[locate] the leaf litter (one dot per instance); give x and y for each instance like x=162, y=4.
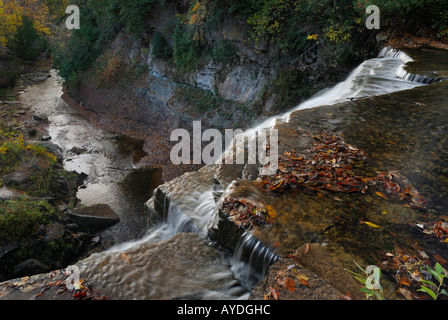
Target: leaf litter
x=329, y=167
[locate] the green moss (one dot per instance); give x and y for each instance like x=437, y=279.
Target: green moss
x=21, y=218
x=201, y=100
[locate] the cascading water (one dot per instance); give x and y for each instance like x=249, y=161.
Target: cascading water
x=251, y=259
x=381, y=75
x=175, y=258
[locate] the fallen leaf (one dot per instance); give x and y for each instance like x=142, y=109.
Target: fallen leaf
x=271, y=212
x=406, y=293
x=370, y=224
x=125, y=258
x=423, y=255
x=439, y=259
x=78, y=284
x=404, y=281
x=290, y=285
x=273, y=293
x=302, y=277
x=381, y=195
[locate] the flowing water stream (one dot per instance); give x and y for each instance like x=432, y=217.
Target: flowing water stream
x=174, y=258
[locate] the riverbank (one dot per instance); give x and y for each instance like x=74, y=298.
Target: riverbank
x=36, y=191
x=41, y=226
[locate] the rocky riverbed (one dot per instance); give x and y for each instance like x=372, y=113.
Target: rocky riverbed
x=72, y=230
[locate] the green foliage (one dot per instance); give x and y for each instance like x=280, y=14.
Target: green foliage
x=234, y=7
x=370, y=278
x=12, y=75
x=27, y=42
x=439, y=275
x=19, y=219
x=201, y=100
x=187, y=52
x=100, y=21
x=160, y=47
x=223, y=51
x=290, y=87
x=132, y=13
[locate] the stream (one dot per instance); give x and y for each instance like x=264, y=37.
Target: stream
x=174, y=259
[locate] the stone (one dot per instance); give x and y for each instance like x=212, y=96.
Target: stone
x=312, y=287
x=51, y=147
x=30, y=266
x=94, y=216
x=7, y=194
x=326, y=278
x=32, y=132
x=40, y=118
x=54, y=231
x=46, y=137
x=77, y=150
x=41, y=78
x=8, y=248
x=15, y=179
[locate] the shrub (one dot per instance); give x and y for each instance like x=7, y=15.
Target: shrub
x=187, y=51
x=19, y=219
x=27, y=41
x=160, y=47
x=223, y=51
x=12, y=76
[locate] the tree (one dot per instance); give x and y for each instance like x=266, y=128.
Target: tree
x=27, y=40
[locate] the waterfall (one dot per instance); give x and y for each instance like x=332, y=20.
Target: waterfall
x=381, y=75
x=377, y=76
x=390, y=53
x=188, y=205
x=251, y=260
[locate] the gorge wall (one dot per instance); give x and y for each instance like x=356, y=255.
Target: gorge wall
x=255, y=81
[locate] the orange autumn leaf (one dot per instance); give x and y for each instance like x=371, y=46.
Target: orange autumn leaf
x=290, y=285
x=125, y=258
x=303, y=279
x=404, y=281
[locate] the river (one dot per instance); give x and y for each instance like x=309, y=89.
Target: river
x=174, y=258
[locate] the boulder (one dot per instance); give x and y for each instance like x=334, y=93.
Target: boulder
x=30, y=266
x=7, y=194
x=54, y=231
x=311, y=273
x=15, y=179
x=8, y=248
x=94, y=216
